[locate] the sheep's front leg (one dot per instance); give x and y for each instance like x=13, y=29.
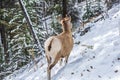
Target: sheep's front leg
x=61, y=61
x=66, y=59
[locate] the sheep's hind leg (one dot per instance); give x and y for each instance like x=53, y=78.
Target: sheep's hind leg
x=48, y=70
x=48, y=74
x=48, y=59
x=53, y=64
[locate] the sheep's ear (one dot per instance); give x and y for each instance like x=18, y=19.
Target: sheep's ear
x=59, y=18
x=68, y=17
x=61, y=22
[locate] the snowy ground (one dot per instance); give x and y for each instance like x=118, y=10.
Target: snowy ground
x=97, y=57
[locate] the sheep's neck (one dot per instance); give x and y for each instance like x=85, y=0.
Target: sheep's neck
x=66, y=28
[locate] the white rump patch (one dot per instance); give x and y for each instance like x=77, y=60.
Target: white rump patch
x=55, y=47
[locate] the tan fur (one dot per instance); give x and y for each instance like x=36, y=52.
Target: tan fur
x=60, y=45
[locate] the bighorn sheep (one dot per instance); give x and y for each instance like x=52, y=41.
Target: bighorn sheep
x=60, y=46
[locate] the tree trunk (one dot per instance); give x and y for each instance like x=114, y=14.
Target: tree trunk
x=64, y=5
x=45, y=23
x=4, y=42
x=3, y=36
x=36, y=40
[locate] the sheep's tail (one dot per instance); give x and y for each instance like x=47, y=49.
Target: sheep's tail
x=50, y=45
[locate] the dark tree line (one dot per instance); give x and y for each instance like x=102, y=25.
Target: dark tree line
x=5, y=4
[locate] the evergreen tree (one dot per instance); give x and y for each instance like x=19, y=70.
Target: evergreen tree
x=18, y=37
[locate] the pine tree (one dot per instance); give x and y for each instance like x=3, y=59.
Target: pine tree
x=18, y=37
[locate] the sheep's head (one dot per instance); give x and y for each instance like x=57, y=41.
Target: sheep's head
x=66, y=23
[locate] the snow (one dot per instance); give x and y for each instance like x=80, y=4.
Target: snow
x=97, y=57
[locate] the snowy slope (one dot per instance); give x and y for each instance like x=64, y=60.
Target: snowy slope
x=97, y=57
